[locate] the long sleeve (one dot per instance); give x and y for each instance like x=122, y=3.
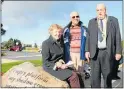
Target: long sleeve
x=118, y=39
x=87, y=39
x=46, y=55
x=66, y=35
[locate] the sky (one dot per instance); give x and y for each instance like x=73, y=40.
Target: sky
x=29, y=21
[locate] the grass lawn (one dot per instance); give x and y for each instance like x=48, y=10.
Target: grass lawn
x=6, y=66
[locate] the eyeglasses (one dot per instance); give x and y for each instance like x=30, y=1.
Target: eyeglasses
x=75, y=17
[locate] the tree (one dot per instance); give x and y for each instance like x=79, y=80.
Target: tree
x=3, y=31
x=35, y=45
x=9, y=43
x=18, y=42
x=3, y=45
x=13, y=42
x=27, y=45
x=2, y=1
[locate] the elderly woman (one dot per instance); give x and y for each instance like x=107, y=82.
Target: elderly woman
x=53, y=58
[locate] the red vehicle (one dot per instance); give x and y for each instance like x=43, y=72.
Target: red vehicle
x=15, y=48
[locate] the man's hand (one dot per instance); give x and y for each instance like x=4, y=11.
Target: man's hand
x=64, y=66
x=118, y=57
x=87, y=55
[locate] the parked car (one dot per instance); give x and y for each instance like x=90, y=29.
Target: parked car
x=15, y=48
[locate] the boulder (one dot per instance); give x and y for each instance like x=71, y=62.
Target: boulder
x=27, y=75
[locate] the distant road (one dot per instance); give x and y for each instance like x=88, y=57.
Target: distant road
x=22, y=55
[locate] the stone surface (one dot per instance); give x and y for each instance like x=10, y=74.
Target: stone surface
x=27, y=75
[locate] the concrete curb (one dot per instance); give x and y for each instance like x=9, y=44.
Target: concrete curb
x=8, y=61
x=36, y=51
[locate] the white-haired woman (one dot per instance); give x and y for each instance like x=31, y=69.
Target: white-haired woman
x=53, y=57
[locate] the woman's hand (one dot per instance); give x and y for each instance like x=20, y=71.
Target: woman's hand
x=58, y=64
x=64, y=66
x=61, y=60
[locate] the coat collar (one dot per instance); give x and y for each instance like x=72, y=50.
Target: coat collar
x=108, y=17
x=109, y=23
x=70, y=24
x=52, y=40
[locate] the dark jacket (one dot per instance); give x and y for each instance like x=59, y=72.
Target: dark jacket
x=51, y=53
x=66, y=37
x=113, y=38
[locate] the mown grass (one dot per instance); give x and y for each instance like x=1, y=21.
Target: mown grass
x=6, y=66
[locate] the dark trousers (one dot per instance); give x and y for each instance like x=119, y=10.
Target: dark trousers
x=115, y=67
x=73, y=80
x=100, y=64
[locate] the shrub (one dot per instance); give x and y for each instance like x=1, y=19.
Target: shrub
x=3, y=54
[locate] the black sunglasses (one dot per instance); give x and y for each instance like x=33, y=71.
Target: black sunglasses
x=75, y=17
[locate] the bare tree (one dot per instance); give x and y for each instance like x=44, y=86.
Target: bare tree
x=2, y=1
x=3, y=31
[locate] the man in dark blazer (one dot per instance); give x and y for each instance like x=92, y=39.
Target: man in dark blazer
x=103, y=45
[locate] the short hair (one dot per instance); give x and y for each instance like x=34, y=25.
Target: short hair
x=55, y=26
x=73, y=13
x=102, y=4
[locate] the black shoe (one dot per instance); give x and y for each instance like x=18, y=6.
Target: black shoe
x=115, y=78
x=119, y=71
x=87, y=75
